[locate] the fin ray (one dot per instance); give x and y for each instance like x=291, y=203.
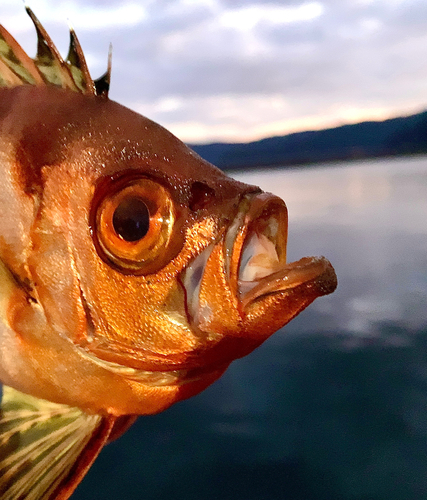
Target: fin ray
x=45, y=448
x=14, y=57
x=78, y=67
x=8, y=77
x=48, y=67
x=48, y=60
x=102, y=84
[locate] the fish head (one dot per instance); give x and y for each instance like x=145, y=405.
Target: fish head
x=154, y=264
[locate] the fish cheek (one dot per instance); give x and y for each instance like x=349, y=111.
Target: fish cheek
x=134, y=313
x=130, y=312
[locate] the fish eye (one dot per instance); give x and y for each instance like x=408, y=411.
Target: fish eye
x=132, y=222
x=131, y=219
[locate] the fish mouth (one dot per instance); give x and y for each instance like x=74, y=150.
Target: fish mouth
x=255, y=245
x=255, y=267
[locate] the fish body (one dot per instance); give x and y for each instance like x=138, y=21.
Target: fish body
x=133, y=272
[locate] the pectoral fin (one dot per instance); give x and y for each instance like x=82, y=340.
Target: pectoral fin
x=45, y=448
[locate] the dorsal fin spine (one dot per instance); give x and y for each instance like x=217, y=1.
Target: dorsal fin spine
x=78, y=67
x=102, y=84
x=48, y=59
x=15, y=58
x=48, y=67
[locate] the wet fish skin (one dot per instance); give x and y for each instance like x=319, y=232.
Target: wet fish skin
x=108, y=319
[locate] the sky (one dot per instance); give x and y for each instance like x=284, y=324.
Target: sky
x=241, y=70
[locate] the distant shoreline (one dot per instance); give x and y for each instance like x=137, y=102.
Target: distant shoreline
x=329, y=163
x=395, y=137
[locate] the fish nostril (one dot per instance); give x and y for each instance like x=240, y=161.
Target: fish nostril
x=201, y=195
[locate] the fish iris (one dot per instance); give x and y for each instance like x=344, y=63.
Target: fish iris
x=131, y=219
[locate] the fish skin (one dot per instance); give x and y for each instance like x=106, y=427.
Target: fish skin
x=74, y=320
x=54, y=162
x=105, y=325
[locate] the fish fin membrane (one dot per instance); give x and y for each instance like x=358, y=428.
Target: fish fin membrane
x=46, y=448
x=48, y=67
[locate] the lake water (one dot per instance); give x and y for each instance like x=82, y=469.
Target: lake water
x=334, y=407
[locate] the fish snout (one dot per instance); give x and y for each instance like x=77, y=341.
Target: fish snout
x=241, y=286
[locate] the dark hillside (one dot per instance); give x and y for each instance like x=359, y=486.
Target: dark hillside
x=396, y=136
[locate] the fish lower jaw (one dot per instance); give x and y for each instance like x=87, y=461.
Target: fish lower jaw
x=262, y=269
x=286, y=279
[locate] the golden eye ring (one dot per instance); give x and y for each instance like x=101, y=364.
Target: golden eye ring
x=133, y=224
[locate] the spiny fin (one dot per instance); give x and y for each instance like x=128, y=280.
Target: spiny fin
x=78, y=67
x=102, y=84
x=46, y=448
x=48, y=67
x=48, y=60
x=17, y=61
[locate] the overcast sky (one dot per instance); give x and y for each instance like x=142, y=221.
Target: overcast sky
x=238, y=70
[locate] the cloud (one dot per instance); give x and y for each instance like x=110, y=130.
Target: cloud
x=248, y=17
x=234, y=69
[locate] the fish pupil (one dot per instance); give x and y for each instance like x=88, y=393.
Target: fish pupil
x=131, y=219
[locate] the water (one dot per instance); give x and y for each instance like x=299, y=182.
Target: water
x=335, y=406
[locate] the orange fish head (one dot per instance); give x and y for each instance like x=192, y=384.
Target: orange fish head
x=154, y=269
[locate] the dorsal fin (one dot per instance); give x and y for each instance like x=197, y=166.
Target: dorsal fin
x=48, y=60
x=48, y=67
x=16, y=60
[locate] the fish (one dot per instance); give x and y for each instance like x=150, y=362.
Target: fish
x=132, y=271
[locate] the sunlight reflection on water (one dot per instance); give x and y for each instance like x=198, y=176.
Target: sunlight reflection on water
x=344, y=192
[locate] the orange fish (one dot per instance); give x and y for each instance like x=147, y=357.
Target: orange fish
x=132, y=272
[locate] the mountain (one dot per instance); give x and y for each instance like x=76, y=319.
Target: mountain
x=396, y=136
